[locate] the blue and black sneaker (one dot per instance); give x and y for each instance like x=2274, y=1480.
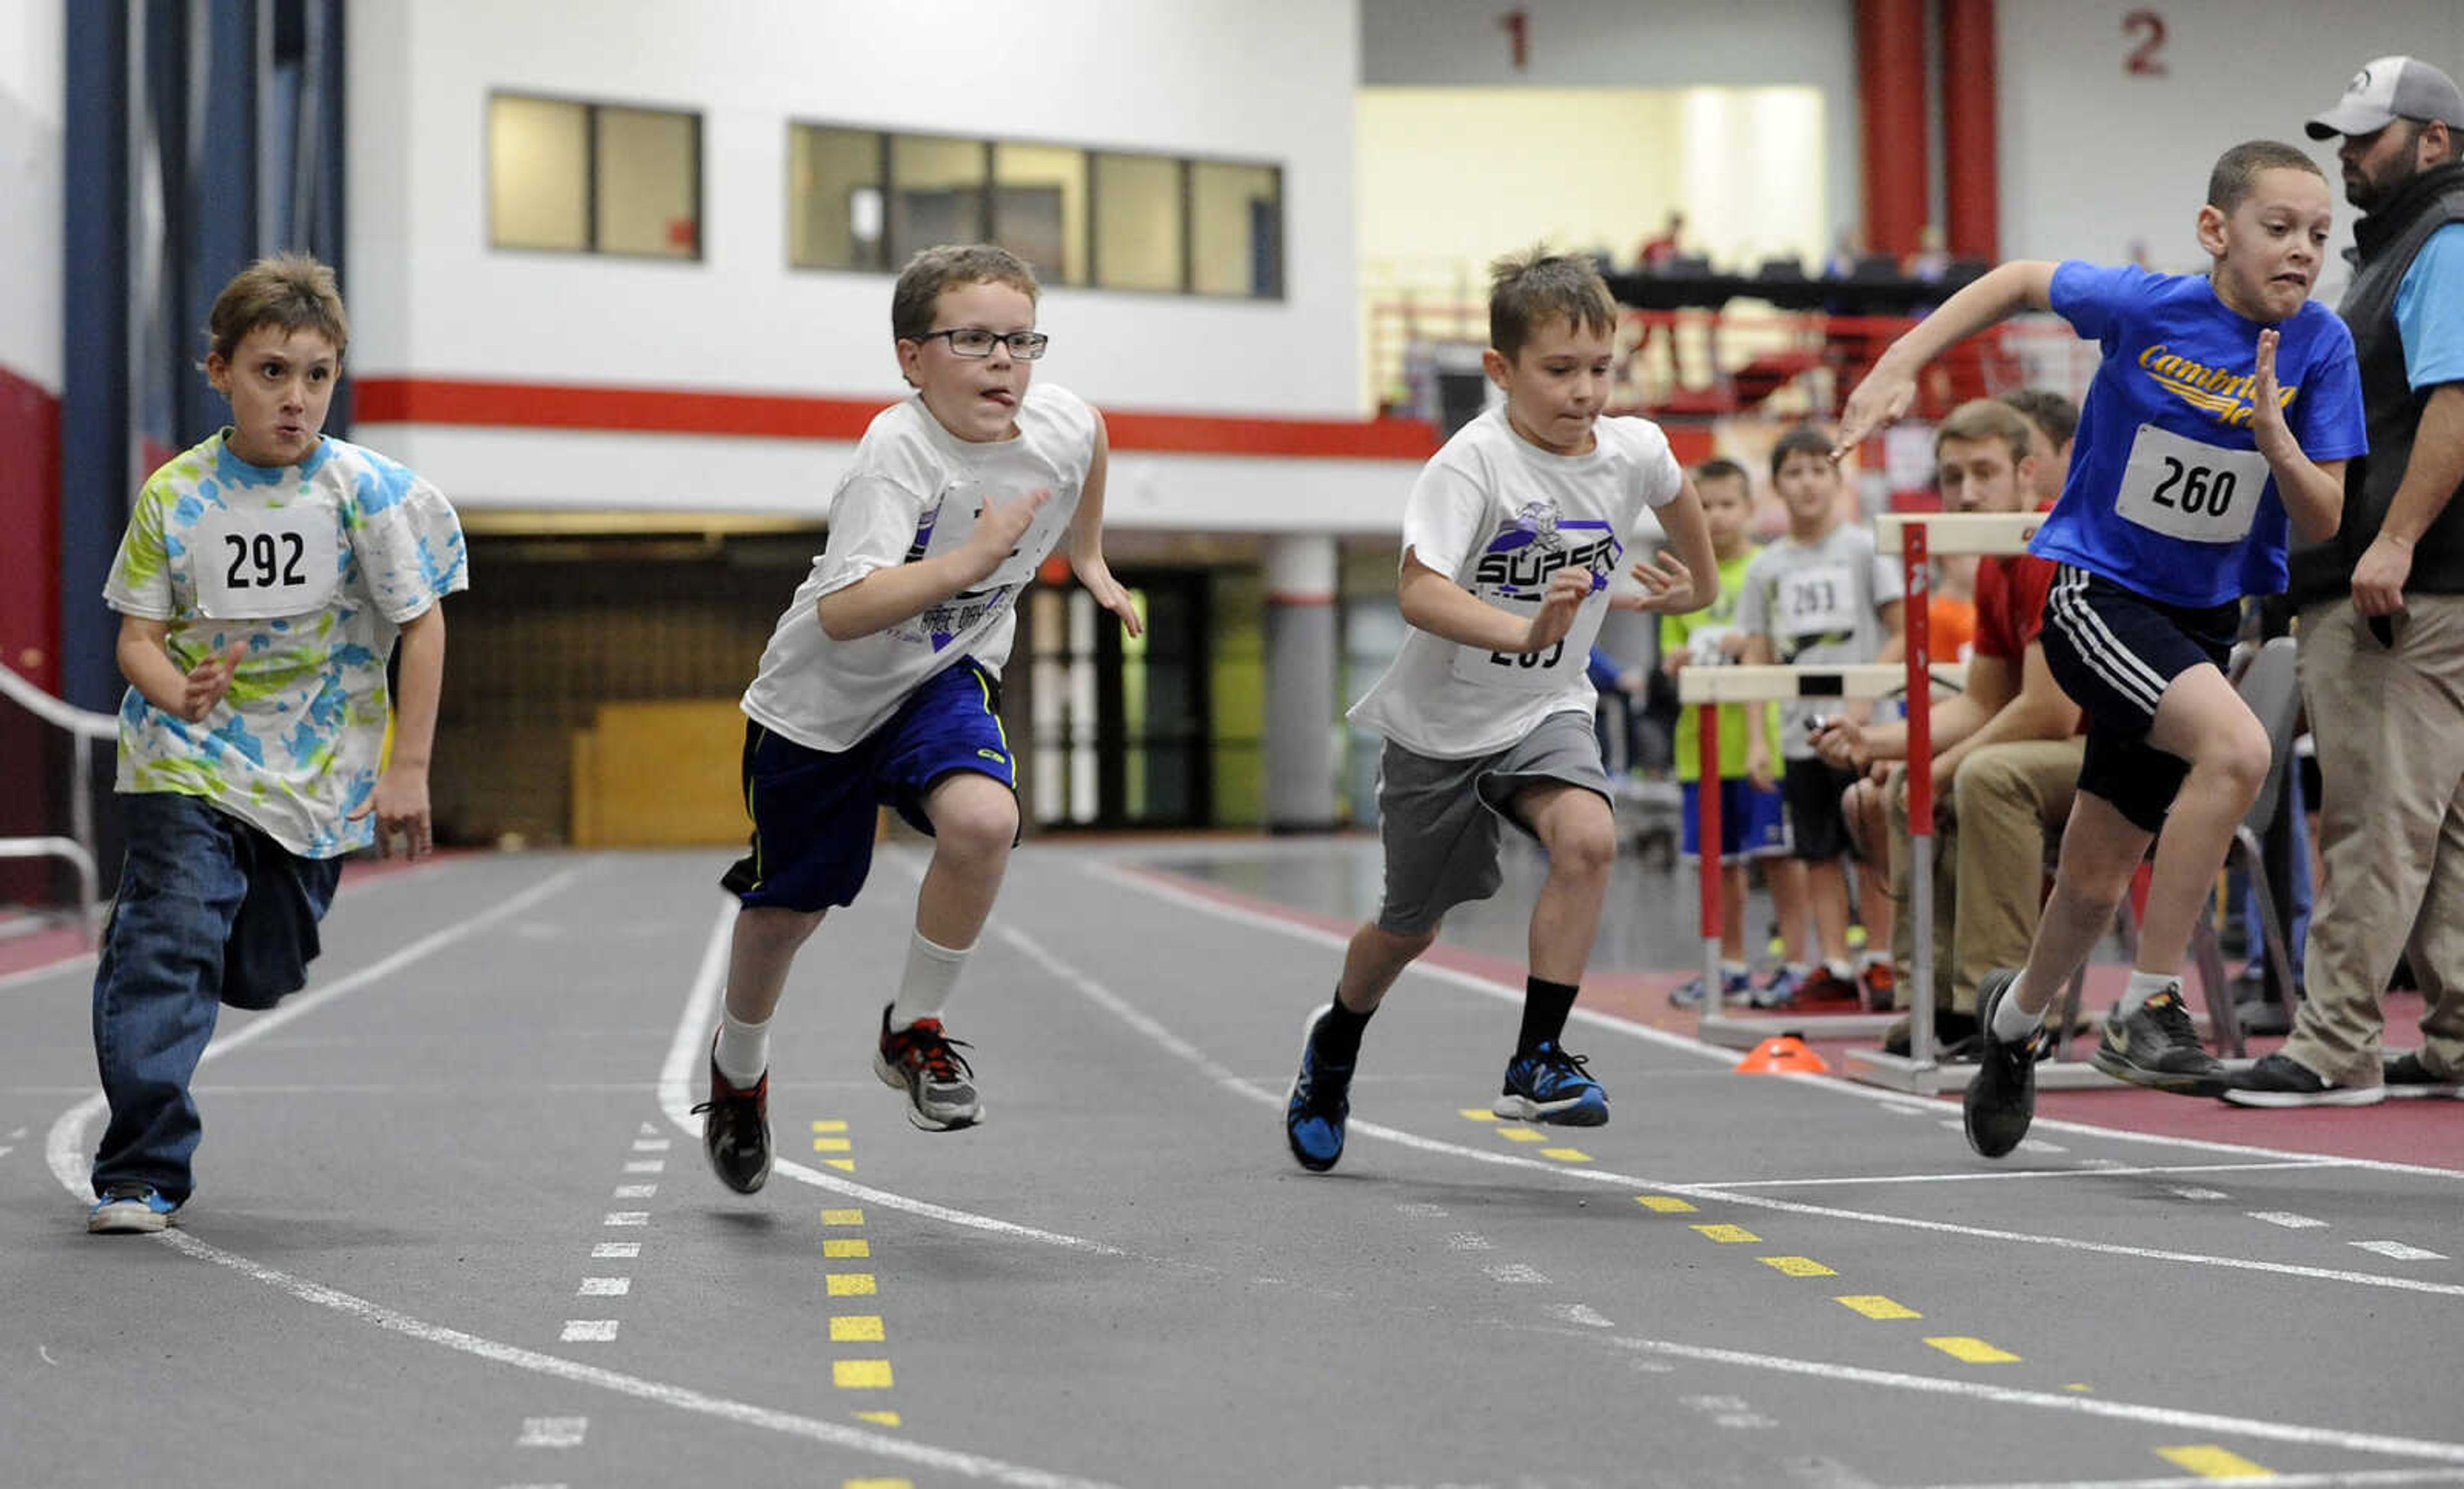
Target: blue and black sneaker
x=1546, y=1084
x=1320, y=1099
x=129, y=1210
x=1736, y=986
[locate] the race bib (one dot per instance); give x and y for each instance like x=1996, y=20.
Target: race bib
x=2183, y=488
x=1818, y=601
x=963, y=501
x=1544, y=670
x=256, y=565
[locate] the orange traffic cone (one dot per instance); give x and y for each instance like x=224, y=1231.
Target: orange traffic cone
x=1783, y=1055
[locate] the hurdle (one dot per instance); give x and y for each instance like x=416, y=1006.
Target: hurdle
x=1713, y=686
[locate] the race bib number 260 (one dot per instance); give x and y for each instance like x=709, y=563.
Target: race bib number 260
x=2184, y=488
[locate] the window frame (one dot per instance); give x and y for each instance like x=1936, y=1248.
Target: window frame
x=590, y=169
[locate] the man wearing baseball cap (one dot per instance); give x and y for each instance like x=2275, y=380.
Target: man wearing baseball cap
x=2382, y=618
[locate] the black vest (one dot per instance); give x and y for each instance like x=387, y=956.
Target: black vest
x=2385, y=242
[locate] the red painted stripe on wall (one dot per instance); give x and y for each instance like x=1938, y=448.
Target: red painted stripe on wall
x=29, y=514
x=537, y=406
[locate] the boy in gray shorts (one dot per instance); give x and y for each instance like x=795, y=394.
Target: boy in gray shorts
x=1509, y=539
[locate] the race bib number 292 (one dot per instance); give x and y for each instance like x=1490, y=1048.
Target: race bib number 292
x=259, y=565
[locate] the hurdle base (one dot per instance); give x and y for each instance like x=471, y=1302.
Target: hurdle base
x=1745, y=1031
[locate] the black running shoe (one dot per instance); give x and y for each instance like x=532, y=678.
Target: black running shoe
x=2002, y=1100
x=736, y=1131
x=1317, y=1103
x=2155, y=1046
x=2280, y=1081
x=2407, y=1078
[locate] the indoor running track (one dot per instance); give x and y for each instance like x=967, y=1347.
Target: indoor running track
x=454, y=1229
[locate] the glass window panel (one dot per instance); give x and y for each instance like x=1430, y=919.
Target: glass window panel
x=649, y=183
x=539, y=174
x=835, y=214
x=1040, y=209
x=1137, y=222
x=937, y=193
x=1236, y=228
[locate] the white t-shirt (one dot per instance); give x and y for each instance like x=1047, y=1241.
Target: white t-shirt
x=914, y=492
x=1499, y=514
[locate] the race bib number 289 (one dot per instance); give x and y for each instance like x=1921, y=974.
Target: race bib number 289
x=2184, y=488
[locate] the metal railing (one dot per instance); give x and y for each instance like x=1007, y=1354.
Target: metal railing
x=78, y=850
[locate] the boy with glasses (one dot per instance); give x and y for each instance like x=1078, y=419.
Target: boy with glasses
x=881, y=686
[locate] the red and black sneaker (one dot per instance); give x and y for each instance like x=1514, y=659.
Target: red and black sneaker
x=736, y=1131
x=925, y=1063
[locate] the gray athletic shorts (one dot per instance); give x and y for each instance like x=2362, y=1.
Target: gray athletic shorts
x=1438, y=818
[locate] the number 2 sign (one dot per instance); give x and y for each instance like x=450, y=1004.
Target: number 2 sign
x=2149, y=28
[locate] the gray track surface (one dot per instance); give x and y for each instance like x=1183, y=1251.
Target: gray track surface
x=1122, y=1278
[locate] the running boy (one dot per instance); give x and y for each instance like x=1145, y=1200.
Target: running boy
x=263, y=579
x=1750, y=823
x=2225, y=402
x=1819, y=596
x=1509, y=539
x=881, y=685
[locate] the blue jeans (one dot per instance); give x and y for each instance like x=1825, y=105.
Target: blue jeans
x=210, y=911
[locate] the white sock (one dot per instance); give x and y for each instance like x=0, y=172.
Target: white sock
x=931, y=970
x=2012, y=1023
x=1842, y=971
x=742, y=1052
x=2144, y=985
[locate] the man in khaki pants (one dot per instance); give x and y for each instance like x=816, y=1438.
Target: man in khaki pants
x=2382, y=619
x=2007, y=750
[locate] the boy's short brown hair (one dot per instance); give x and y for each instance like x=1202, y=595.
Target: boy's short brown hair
x=293, y=291
x=1719, y=467
x=1805, y=439
x=1526, y=289
x=2049, y=411
x=943, y=267
x=1981, y=418
x=2237, y=169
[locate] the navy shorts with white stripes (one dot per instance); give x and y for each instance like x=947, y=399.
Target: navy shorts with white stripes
x=2115, y=651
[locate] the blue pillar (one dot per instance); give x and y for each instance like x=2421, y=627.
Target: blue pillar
x=94, y=413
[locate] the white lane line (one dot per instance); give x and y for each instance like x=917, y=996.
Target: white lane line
x=2401, y=1251
x=675, y=1098
x=2266, y=1429
x=553, y=1432
x=636, y=1191
x=2351, y=1479
x=1515, y=1274
x=615, y=1251
x=1120, y=1008
x=2098, y=1172
x=2193, y=1191
x=604, y=1287
x=2289, y=1220
x=622, y=1217
x=1580, y=1314
x=63, y=1148
x=588, y=1331
x=64, y=1151
x=647, y=1166
x=1160, y=884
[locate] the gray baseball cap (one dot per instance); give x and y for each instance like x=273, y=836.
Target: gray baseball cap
x=2387, y=90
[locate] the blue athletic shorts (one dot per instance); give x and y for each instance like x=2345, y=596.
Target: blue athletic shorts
x=814, y=811
x=2115, y=651
x=1752, y=823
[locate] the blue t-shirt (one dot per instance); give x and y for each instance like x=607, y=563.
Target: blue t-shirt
x=2429, y=310
x=2167, y=494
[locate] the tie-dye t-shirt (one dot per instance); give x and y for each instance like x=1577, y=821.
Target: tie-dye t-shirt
x=912, y=493
x=314, y=567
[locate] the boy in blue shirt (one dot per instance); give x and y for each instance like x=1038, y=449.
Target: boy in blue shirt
x=2225, y=405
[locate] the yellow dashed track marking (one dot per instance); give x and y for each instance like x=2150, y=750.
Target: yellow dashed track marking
x=1799, y=1266
x=860, y=1375
x=1971, y=1350
x=2209, y=1462
x=846, y=1248
x=1565, y=1154
x=878, y=1484
x=849, y=1284
x=856, y=1328
x=842, y=1217
x=843, y=1165
x=880, y=1419
x=1665, y=1204
x=832, y=1126
x=1478, y=1114
x=1523, y=1134
x=1727, y=1233
x=1874, y=1305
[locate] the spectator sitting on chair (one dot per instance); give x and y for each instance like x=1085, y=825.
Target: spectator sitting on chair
x=2007, y=748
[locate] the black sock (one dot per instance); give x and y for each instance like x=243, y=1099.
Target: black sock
x=1337, y=1039
x=1545, y=1007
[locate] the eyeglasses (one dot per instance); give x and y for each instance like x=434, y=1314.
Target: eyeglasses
x=977, y=341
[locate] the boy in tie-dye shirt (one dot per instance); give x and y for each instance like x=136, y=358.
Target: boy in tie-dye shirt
x=264, y=578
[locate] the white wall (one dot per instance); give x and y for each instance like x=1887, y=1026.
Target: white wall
x=32, y=103
x=1621, y=44
x=1254, y=78
x=2094, y=157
